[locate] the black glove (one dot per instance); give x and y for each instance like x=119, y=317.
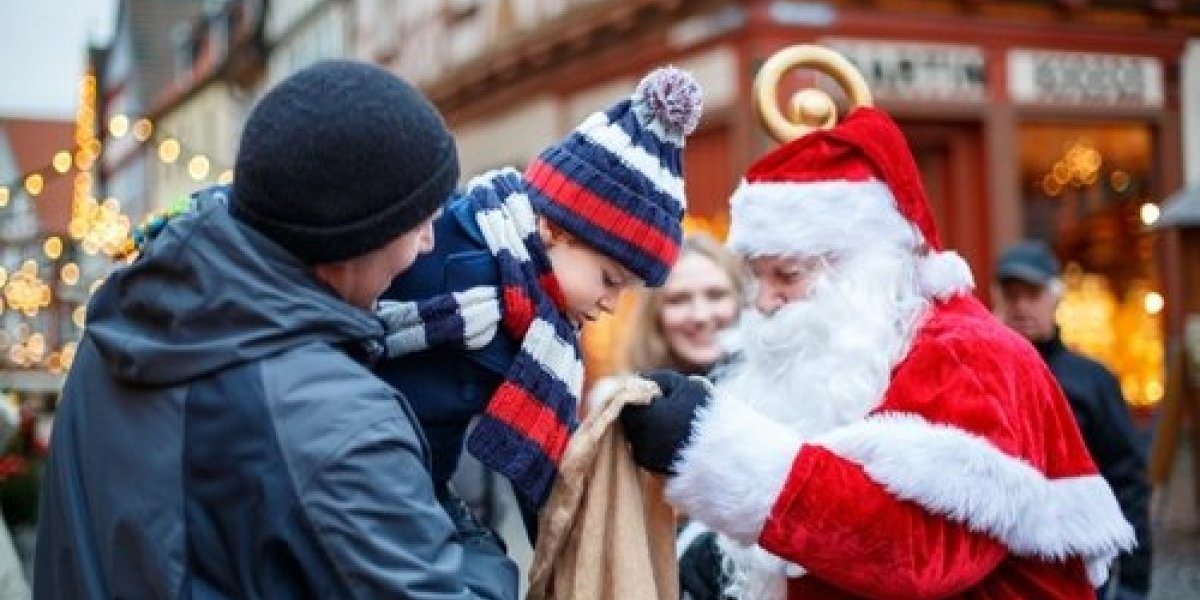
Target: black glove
x=658, y=431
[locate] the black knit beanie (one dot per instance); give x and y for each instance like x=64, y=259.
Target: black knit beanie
x=340, y=159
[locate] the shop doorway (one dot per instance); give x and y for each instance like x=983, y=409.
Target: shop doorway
x=1091, y=190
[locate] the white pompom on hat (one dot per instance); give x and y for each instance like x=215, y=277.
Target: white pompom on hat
x=616, y=181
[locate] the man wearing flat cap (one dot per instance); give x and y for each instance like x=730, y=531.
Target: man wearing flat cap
x=1029, y=288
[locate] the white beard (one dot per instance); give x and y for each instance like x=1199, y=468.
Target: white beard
x=819, y=364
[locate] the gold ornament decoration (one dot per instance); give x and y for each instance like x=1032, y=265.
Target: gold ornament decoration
x=810, y=109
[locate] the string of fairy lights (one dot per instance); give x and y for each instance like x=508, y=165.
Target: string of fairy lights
x=98, y=228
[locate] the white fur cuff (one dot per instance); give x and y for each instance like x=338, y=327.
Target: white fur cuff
x=733, y=469
x=962, y=476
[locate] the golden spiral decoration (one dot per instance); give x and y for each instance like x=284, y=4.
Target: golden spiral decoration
x=809, y=109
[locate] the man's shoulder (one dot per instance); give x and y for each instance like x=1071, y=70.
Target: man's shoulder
x=1081, y=364
x=312, y=371
x=319, y=399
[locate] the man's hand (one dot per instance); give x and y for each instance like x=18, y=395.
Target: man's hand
x=659, y=430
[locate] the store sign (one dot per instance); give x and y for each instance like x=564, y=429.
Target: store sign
x=907, y=71
x=1078, y=79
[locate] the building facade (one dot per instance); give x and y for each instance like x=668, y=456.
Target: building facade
x=34, y=212
x=178, y=78
x=1056, y=120
x=301, y=32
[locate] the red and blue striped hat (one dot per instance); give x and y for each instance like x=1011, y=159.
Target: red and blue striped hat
x=616, y=182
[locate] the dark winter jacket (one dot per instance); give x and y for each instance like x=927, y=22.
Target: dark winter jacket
x=449, y=386
x=1104, y=420
x=220, y=437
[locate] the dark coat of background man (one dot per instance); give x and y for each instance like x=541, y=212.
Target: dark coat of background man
x=221, y=434
x=1030, y=288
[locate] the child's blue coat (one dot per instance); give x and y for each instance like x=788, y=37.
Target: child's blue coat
x=447, y=387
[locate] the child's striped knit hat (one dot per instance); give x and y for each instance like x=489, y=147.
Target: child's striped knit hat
x=616, y=182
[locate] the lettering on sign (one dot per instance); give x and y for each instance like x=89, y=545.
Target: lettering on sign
x=1079, y=79
x=911, y=71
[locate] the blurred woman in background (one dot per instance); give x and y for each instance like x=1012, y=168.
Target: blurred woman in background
x=678, y=326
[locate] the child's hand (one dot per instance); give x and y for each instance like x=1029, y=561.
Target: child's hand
x=468, y=319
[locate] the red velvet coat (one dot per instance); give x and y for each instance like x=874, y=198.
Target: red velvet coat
x=969, y=480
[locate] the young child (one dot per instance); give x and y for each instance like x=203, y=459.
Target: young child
x=537, y=255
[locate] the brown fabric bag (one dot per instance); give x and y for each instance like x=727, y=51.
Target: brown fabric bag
x=606, y=532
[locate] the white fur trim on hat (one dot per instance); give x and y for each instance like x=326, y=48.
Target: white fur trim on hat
x=967, y=479
x=733, y=469
x=808, y=219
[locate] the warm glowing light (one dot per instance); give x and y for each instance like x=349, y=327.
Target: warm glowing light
x=34, y=184
x=1079, y=167
x=118, y=126
x=1150, y=213
x=226, y=177
x=68, y=354
x=36, y=344
x=79, y=316
x=142, y=130
x=99, y=226
x=1123, y=333
x=53, y=247
x=1154, y=391
x=198, y=167
x=3, y=196
x=1153, y=303
x=25, y=291
x=168, y=150
x=84, y=159
x=69, y=273
x=62, y=161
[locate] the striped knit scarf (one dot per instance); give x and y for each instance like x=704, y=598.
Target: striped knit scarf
x=528, y=420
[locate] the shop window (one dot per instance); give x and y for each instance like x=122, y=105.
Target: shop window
x=1090, y=191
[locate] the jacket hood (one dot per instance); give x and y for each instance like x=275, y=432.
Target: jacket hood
x=209, y=293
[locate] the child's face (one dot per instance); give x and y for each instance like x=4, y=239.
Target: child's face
x=591, y=282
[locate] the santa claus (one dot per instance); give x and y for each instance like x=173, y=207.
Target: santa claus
x=885, y=436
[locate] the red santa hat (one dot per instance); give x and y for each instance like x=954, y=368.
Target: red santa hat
x=833, y=190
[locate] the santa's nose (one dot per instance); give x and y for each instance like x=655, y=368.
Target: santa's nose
x=769, y=300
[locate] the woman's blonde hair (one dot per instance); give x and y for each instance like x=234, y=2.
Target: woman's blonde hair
x=645, y=347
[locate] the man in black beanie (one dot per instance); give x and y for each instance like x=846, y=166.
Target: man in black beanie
x=220, y=434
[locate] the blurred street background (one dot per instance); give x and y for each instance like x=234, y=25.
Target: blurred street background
x=1072, y=121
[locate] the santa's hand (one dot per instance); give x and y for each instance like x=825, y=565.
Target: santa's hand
x=658, y=431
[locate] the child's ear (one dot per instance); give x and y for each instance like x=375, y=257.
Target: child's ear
x=551, y=234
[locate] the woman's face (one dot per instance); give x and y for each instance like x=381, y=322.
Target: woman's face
x=698, y=301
